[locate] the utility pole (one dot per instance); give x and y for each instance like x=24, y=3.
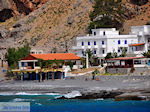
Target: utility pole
x=87, y=60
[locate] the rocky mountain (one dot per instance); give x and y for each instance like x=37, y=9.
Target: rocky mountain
x=50, y=27
x=53, y=25
x=9, y=8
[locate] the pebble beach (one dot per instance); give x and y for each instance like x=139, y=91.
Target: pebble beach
x=140, y=85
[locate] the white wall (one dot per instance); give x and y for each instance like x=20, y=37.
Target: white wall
x=111, y=38
x=140, y=30
x=105, y=31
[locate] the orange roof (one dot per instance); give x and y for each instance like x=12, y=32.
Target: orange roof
x=53, y=56
x=139, y=44
x=125, y=58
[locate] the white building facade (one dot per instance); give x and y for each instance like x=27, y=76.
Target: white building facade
x=143, y=44
x=103, y=41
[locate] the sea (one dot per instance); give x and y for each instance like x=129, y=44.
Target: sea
x=50, y=103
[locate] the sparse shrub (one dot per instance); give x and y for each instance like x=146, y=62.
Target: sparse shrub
x=139, y=2
x=132, y=70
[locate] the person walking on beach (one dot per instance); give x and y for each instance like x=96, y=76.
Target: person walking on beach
x=96, y=71
x=43, y=76
x=93, y=76
x=39, y=76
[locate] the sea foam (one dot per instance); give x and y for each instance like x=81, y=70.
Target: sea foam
x=73, y=94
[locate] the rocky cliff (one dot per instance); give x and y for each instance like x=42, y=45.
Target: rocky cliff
x=52, y=26
x=9, y=8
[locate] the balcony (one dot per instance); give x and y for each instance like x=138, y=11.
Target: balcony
x=101, y=55
x=103, y=46
x=138, y=52
x=77, y=47
x=85, y=47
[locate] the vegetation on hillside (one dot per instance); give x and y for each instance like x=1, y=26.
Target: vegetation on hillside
x=139, y=2
x=107, y=13
x=13, y=55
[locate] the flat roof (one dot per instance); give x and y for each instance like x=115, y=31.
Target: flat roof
x=125, y=58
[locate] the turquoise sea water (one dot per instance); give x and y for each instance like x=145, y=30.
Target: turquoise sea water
x=48, y=103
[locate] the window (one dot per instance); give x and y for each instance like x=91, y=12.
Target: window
x=104, y=33
x=82, y=43
x=125, y=42
x=137, y=61
x=37, y=64
x=94, y=51
x=82, y=52
x=103, y=42
x=23, y=64
x=103, y=51
x=119, y=42
x=148, y=39
x=94, y=33
x=94, y=42
x=88, y=43
x=118, y=50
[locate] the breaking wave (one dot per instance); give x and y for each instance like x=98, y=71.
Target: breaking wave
x=73, y=94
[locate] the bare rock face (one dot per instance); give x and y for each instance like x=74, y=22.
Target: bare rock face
x=9, y=8
x=51, y=27
x=6, y=11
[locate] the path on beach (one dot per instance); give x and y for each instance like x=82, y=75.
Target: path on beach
x=79, y=84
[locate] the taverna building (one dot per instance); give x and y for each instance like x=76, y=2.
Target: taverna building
x=105, y=40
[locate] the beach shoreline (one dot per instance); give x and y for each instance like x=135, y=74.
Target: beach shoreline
x=123, y=86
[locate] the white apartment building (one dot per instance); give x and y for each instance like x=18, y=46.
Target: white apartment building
x=143, y=45
x=105, y=40
x=34, y=51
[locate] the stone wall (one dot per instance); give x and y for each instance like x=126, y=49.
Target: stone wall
x=136, y=71
x=118, y=70
x=141, y=71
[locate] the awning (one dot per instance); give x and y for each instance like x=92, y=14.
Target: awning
x=125, y=58
x=139, y=44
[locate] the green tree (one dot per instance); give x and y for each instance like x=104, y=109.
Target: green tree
x=111, y=55
x=107, y=13
x=13, y=55
x=92, y=58
x=123, y=52
x=146, y=54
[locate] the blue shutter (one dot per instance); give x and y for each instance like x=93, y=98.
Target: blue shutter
x=119, y=42
x=125, y=42
x=82, y=43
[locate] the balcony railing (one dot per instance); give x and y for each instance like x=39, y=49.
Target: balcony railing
x=89, y=47
x=119, y=66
